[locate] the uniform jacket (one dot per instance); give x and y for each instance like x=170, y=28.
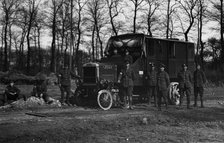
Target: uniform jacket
x=128, y=58
x=127, y=77
x=12, y=92
x=163, y=80
x=152, y=78
x=40, y=88
x=65, y=77
x=199, y=78
x=11, y=89
x=185, y=79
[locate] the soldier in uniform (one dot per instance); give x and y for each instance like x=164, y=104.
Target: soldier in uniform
x=126, y=78
x=151, y=78
x=40, y=90
x=185, y=80
x=65, y=84
x=12, y=93
x=128, y=57
x=199, y=81
x=163, y=82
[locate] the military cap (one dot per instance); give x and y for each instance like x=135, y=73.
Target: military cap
x=162, y=65
x=184, y=65
x=127, y=62
x=152, y=64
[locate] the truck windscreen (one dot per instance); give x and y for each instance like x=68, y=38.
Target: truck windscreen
x=132, y=43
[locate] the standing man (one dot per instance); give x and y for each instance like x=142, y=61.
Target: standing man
x=199, y=81
x=65, y=84
x=163, y=82
x=185, y=80
x=126, y=78
x=128, y=57
x=151, y=78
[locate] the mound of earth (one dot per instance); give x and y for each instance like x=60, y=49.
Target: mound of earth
x=31, y=102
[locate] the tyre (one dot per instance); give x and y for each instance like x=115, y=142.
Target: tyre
x=104, y=99
x=173, y=94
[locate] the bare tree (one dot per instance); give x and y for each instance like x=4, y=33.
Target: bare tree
x=9, y=8
x=96, y=13
x=137, y=4
x=32, y=14
x=21, y=23
x=56, y=5
x=81, y=4
x=216, y=14
x=171, y=8
x=114, y=10
x=39, y=25
x=188, y=15
x=152, y=7
x=201, y=15
x=214, y=51
x=221, y=31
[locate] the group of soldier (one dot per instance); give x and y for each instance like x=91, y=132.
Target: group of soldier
x=158, y=85
x=12, y=92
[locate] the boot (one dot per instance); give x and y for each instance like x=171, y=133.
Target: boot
x=125, y=102
x=202, y=105
x=130, y=103
x=155, y=101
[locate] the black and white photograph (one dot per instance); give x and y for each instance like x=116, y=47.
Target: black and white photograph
x=111, y=71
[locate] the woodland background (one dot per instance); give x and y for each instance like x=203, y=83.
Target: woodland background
x=43, y=35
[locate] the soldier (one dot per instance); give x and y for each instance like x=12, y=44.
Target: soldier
x=116, y=55
x=126, y=78
x=163, y=82
x=185, y=80
x=65, y=84
x=199, y=81
x=12, y=93
x=128, y=57
x=40, y=90
x=151, y=78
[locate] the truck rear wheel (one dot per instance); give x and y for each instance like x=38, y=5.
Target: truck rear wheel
x=104, y=99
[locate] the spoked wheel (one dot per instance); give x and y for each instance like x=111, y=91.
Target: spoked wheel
x=174, y=96
x=104, y=99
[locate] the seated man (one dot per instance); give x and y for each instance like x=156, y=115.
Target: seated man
x=40, y=90
x=12, y=93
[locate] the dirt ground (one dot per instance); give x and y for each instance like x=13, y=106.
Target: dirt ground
x=88, y=125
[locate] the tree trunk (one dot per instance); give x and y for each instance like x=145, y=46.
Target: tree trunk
x=53, y=67
x=21, y=48
x=28, y=51
x=134, y=20
x=6, y=45
x=10, y=45
x=112, y=23
x=93, y=46
x=39, y=51
x=2, y=49
x=168, y=20
x=149, y=27
x=221, y=32
x=98, y=37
